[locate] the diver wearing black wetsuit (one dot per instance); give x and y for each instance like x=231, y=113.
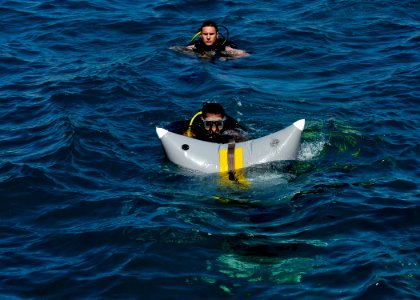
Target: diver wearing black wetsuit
x=218, y=48
x=220, y=129
x=210, y=45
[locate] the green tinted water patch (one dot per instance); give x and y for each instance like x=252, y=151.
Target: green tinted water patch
x=264, y=269
x=301, y=167
x=166, y=235
x=230, y=272
x=344, y=139
x=311, y=133
x=341, y=144
x=265, y=259
x=243, y=203
x=333, y=137
x=337, y=167
x=365, y=184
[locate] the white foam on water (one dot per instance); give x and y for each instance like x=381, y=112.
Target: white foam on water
x=310, y=150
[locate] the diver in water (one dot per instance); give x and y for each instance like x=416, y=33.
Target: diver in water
x=212, y=124
x=210, y=45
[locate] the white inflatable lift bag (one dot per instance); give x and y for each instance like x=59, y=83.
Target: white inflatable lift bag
x=213, y=158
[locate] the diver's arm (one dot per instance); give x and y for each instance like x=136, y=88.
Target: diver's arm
x=181, y=49
x=235, y=53
x=237, y=134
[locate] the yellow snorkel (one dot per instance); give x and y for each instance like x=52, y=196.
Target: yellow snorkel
x=197, y=34
x=189, y=132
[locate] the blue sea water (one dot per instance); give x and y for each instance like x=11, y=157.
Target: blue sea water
x=90, y=208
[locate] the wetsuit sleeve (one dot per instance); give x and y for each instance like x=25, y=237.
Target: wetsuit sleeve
x=235, y=130
x=199, y=46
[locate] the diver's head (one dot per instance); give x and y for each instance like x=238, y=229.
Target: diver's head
x=209, y=23
x=209, y=32
x=213, y=117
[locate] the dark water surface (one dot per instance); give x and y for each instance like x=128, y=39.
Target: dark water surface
x=90, y=208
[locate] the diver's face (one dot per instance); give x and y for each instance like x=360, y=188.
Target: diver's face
x=209, y=35
x=213, y=123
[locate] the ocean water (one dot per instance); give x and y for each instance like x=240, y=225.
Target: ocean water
x=90, y=208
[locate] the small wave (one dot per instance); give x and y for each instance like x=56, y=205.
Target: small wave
x=311, y=150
